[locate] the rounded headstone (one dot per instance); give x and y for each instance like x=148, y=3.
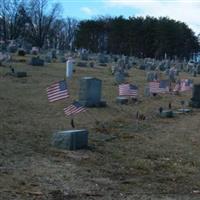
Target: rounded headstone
x=69, y=68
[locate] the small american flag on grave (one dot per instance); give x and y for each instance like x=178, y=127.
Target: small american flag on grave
x=57, y=91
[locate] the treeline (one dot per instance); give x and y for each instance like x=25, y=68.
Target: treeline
x=36, y=22
x=41, y=24
x=142, y=37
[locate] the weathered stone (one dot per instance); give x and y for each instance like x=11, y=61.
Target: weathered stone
x=71, y=139
x=122, y=100
x=91, y=64
x=12, y=48
x=167, y=113
x=36, y=61
x=119, y=77
x=184, y=110
x=62, y=59
x=90, y=92
x=21, y=52
x=103, y=59
x=147, y=92
x=48, y=58
x=81, y=64
x=195, y=100
x=20, y=74
x=84, y=56
x=53, y=54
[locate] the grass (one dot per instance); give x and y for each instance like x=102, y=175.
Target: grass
x=160, y=157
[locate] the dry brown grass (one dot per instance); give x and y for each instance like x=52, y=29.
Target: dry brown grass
x=158, y=160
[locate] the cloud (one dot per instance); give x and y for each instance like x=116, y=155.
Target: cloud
x=183, y=10
x=87, y=11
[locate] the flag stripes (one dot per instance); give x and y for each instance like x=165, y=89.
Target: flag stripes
x=74, y=109
x=128, y=90
x=57, y=91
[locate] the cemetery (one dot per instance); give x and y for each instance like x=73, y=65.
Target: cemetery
x=110, y=146
x=101, y=109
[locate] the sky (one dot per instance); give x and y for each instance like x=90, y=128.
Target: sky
x=187, y=11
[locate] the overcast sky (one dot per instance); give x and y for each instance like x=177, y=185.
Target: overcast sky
x=187, y=11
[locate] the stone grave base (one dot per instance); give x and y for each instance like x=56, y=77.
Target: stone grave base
x=167, y=114
x=19, y=74
x=194, y=104
x=122, y=100
x=184, y=110
x=101, y=103
x=70, y=139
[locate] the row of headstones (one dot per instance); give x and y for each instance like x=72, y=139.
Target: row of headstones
x=124, y=62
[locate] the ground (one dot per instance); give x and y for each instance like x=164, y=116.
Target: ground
x=157, y=159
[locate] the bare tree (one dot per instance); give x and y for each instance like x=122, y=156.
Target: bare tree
x=40, y=20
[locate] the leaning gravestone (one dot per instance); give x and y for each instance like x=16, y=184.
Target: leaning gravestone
x=90, y=92
x=195, y=100
x=71, y=139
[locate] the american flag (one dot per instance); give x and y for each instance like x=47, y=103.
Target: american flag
x=159, y=86
x=177, y=87
x=183, y=85
x=74, y=108
x=186, y=85
x=57, y=91
x=128, y=90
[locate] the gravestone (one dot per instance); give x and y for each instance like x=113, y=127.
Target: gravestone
x=147, y=92
x=21, y=52
x=53, y=54
x=27, y=47
x=198, y=69
x=143, y=66
x=36, y=61
x=71, y=139
x=151, y=77
x=91, y=64
x=103, y=59
x=34, y=51
x=122, y=100
x=195, y=100
x=20, y=74
x=119, y=77
x=81, y=64
x=167, y=113
x=48, y=58
x=90, y=92
x=69, y=67
x=62, y=59
x=3, y=46
x=12, y=48
x=84, y=56
x=172, y=75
